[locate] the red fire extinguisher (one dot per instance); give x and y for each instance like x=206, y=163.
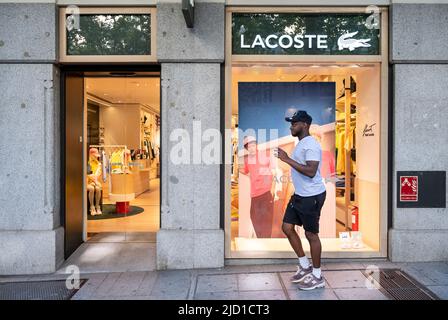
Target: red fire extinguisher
x=355, y=219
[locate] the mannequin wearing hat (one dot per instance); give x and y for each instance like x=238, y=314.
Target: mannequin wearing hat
x=94, y=187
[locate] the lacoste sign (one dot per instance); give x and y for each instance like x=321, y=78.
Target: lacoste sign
x=312, y=40
x=291, y=33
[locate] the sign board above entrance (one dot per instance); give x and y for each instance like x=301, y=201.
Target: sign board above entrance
x=305, y=34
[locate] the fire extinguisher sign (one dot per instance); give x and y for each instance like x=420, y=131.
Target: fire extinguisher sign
x=409, y=188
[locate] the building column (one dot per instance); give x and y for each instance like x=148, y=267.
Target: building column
x=419, y=54
x=190, y=234
x=31, y=236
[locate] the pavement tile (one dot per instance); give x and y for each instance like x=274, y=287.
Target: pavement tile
x=132, y=298
x=335, y=266
x=345, y=279
x=227, y=295
x=381, y=265
x=127, y=284
x=317, y=294
x=272, y=268
x=419, y=276
x=360, y=294
x=171, y=284
x=293, y=286
x=236, y=269
x=262, y=295
x=440, y=291
x=435, y=271
x=217, y=283
x=106, y=286
x=147, y=284
x=258, y=282
x=89, y=288
x=180, y=295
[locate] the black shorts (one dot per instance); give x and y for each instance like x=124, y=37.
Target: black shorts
x=305, y=211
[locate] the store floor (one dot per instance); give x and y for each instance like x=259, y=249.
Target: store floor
x=147, y=221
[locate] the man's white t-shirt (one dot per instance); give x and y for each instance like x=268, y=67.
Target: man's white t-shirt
x=308, y=149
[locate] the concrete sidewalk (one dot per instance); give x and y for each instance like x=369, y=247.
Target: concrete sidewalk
x=344, y=281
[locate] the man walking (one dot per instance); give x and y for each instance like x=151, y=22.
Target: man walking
x=306, y=203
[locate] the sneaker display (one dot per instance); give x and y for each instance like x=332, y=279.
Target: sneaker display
x=311, y=282
x=301, y=274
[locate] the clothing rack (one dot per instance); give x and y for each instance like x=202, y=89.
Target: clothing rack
x=103, y=146
x=108, y=146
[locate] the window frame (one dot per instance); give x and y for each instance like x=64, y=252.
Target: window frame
x=381, y=58
x=64, y=57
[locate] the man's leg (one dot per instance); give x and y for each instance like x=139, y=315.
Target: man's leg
x=315, y=279
x=316, y=248
x=293, y=238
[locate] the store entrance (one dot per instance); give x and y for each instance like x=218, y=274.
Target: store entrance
x=111, y=167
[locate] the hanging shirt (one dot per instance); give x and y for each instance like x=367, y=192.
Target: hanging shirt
x=116, y=159
x=340, y=161
x=308, y=149
x=104, y=166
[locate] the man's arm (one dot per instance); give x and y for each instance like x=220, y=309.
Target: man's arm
x=308, y=170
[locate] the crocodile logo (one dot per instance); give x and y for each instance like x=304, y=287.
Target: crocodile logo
x=344, y=42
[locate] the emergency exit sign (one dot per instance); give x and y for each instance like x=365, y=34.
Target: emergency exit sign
x=409, y=188
x=421, y=189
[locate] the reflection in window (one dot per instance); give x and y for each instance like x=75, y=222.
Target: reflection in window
x=111, y=34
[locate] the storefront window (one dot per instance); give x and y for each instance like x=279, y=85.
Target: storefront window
x=262, y=96
x=343, y=95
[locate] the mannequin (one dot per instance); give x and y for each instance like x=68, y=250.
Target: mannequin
x=94, y=187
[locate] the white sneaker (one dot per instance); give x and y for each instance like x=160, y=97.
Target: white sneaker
x=98, y=210
x=92, y=211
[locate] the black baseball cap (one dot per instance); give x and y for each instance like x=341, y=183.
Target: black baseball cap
x=301, y=116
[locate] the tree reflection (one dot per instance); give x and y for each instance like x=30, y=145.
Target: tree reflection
x=111, y=35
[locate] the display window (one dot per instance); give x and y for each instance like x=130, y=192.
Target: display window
x=280, y=61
